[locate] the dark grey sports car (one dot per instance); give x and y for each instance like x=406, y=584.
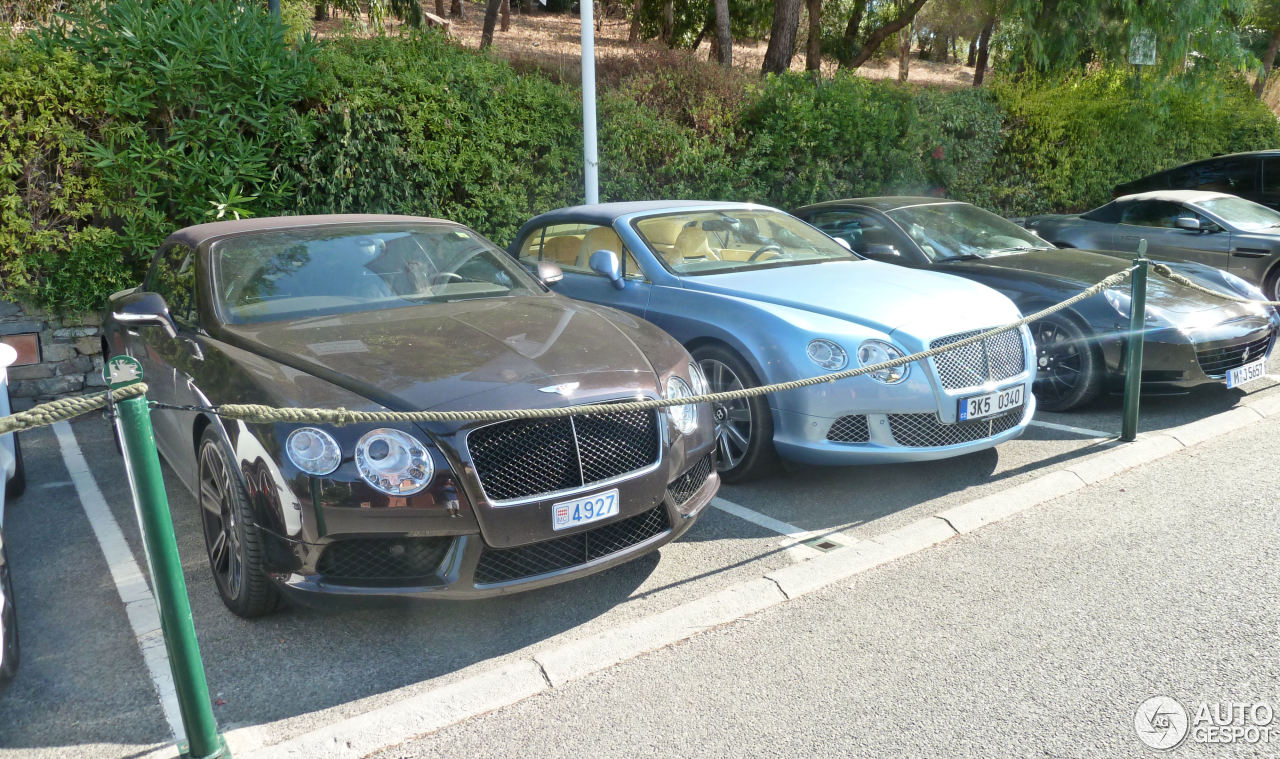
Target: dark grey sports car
x=1210, y=228
x=1191, y=339
x=396, y=313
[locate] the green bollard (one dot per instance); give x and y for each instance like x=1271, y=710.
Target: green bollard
x=142, y=464
x=1133, y=354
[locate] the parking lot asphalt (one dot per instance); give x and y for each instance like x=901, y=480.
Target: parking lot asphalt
x=84, y=687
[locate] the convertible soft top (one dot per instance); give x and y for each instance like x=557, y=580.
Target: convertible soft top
x=195, y=235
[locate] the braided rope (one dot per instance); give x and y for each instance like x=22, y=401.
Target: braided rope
x=63, y=409
x=259, y=414
x=1170, y=274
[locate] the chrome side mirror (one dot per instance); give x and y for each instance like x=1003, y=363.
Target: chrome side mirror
x=880, y=249
x=1189, y=223
x=140, y=309
x=548, y=272
x=606, y=264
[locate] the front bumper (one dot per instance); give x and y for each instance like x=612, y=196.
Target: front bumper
x=1174, y=361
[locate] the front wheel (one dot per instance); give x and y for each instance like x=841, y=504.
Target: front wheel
x=1068, y=366
x=234, y=543
x=17, y=484
x=1271, y=285
x=744, y=427
x=8, y=623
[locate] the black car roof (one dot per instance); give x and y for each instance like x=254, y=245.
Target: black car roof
x=197, y=234
x=882, y=203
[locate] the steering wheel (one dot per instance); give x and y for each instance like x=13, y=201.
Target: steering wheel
x=441, y=278
x=773, y=248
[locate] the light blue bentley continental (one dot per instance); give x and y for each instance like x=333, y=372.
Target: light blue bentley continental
x=759, y=297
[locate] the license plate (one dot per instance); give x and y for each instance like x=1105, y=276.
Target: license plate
x=593, y=508
x=990, y=404
x=1247, y=373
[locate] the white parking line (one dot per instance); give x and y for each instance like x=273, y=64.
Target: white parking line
x=131, y=583
x=1073, y=430
x=793, y=536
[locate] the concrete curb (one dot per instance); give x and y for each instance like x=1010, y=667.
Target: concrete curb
x=426, y=712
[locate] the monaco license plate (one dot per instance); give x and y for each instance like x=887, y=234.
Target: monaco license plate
x=991, y=404
x=593, y=508
x=1247, y=373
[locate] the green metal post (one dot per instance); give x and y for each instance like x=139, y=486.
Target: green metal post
x=1133, y=353
x=273, y=7
x=143, y=467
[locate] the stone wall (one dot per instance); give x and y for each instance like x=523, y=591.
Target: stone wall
x=70, y=353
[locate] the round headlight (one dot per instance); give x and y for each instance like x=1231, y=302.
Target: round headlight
x=827, y=354
x=313, y=451
x=393, y=462
x=878, y=351
x=698, y=380
x=685, y=418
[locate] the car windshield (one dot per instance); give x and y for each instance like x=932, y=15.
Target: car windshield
x=292, y=273
x=695, y=243
x=958, y=231
x=1242, y=214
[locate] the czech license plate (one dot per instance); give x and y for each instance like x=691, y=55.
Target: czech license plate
x=991, y=404
x=1247, y=373
x=593, y=508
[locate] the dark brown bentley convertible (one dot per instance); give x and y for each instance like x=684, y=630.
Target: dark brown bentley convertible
x=398, y=313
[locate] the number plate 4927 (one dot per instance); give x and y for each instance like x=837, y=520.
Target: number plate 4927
x=592, y=508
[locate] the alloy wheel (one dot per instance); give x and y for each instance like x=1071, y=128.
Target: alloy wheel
x=1059, y=361
x=733, y=423
x=221, y=529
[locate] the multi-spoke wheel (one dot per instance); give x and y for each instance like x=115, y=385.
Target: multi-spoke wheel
x=8, y=622
x=744, y=428
x=1068, y=368
x=232, y=539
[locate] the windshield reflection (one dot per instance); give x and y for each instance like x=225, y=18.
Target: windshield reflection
x=959, y=231
x=715, y=242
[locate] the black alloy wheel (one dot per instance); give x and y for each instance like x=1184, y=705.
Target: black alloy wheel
x=744, y=427
x=1068, y=367
x=8, y=622
x=17, y=484
x=236, y=553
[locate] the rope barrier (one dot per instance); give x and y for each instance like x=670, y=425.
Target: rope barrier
x=63, y=409
x=1164, y=271
x=68, y=408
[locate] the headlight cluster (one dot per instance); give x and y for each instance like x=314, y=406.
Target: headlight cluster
x=1121, y=302
x=878, y=351
x=827, y=354
x=685, y=418
x=391, y=461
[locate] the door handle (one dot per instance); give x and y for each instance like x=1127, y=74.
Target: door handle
x=1250, y=253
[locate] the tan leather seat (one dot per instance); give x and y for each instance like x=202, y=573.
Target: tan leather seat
x=600, y=238
x=691, y=244
x=662, y=233
x=563, y=250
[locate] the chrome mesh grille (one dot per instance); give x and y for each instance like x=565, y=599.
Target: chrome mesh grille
x=527, y=457
x=382, y=561
x=927, y=431
x=849, y=429
x=506, y=564
x=684, y=486
x=1217, y=361
x=996, y=358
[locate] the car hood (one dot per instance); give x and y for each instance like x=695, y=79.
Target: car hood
x=881, y=296
x=436, y=356
x=1078, y=269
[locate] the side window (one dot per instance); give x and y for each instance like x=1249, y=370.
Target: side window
x=571, y=246
x=173, y=277
x=1152, y=213
x=861, y=230
x=1235, y=175
x=1271, y=174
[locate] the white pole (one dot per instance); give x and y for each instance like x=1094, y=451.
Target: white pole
x=590, y=161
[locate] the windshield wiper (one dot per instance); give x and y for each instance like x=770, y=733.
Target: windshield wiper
x=1020, y=249
x=961, y=257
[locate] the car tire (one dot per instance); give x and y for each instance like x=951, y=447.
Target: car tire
x=17, y=485
x=1271, y=285
x=8, y=623
x=1069, y=368
x=233, y=543
x=746, y=420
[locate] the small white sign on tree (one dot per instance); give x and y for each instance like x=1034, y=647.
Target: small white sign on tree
x=1142, y=48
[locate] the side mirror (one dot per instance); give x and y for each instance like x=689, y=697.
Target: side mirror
x=140, y=309
x=606, y=264
x=548, y=272
x=843, y=242
x=876, y=250
x=1189, y=223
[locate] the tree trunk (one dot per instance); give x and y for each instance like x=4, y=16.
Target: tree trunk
x=984, y=45
x=782, y=36
x=973, y=51
x=634, y=36
x=813, y=50
x=881, y=33
x=904, y=52
x=490, y=21
x=1268, y=60
x=505, y=10
x=669, y=23
x=322, y=12
x=702, y=33
x=456, y=9
x=724, y=38
x=850, y=41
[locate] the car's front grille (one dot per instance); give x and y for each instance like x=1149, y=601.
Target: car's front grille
x=927, y=431
x=1216, y=362
x=996, y=358
x=382, y=561
x=688, y=483
x=507, y=564
x=849, y=429
x=528, y=457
